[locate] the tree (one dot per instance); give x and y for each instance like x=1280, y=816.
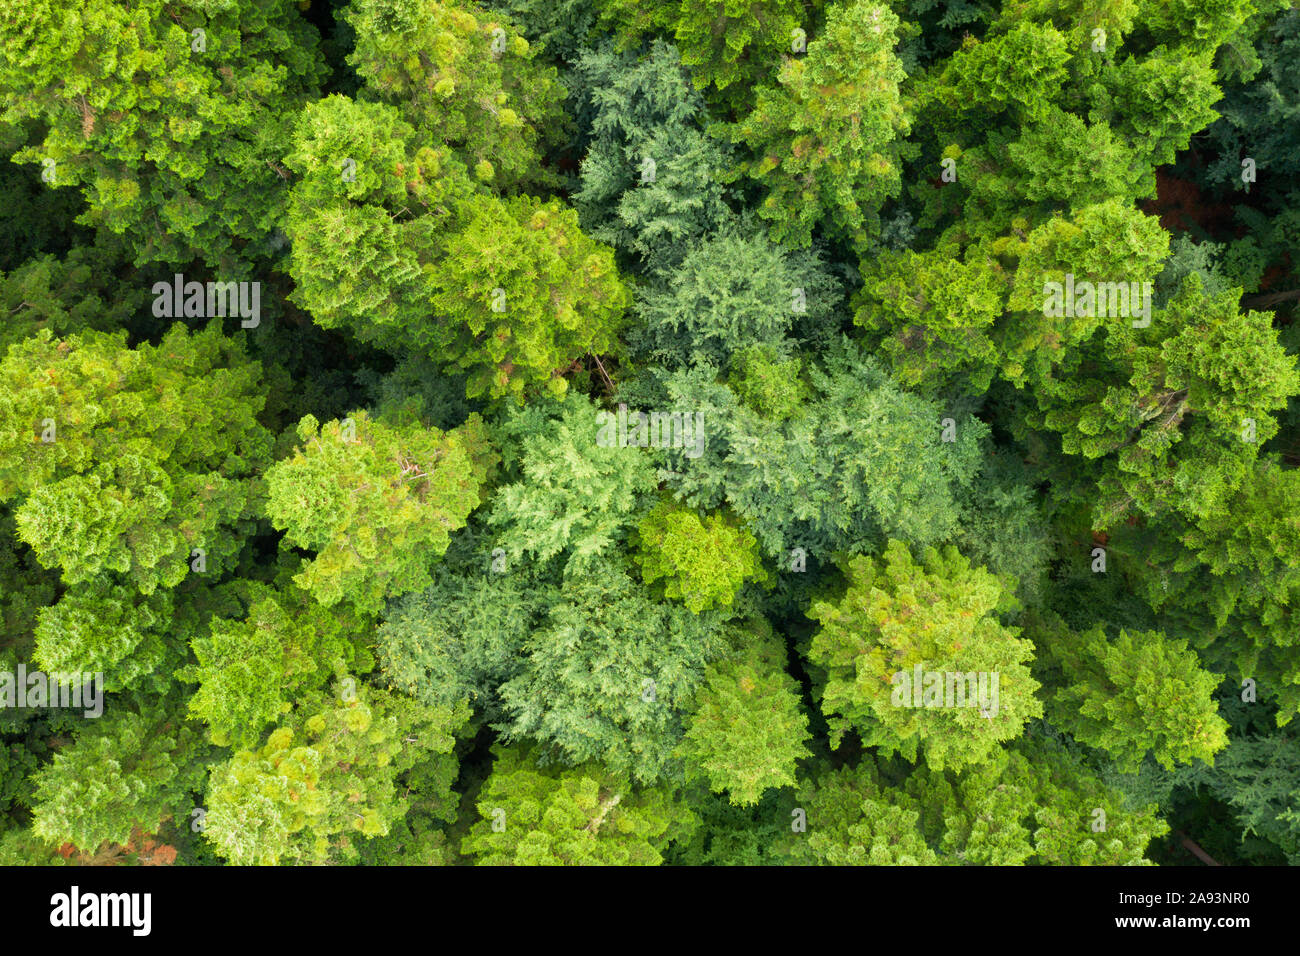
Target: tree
x=359, y=250
x=393, y=240
x=107, y=628
x=130, y=460
x=1259, y=775
x=168, y=117
x=1036, y=805
x=943, y=322
x=30, y=588
x=853, y=821
x=732, y=44
x=464, y=76
x=582, y=816
x=558, y=27
x=649, y=177
x=825, y=137
x=376, y=502
x=772, y=386
x=459, y=638
x=328, y=777
x=1081, y=820
x=250, y=671
x=936, y=312
x=748, y=729
x=77, y=292
x=1141, y=693
x=935, y=619
x=609, y=675
x=862, y=460
x=703, y=563
x=524, y=293
x=124, y=771
x=1177, y=416
x=732, y=290
x=566, y=491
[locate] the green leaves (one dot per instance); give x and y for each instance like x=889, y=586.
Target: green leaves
x=1140, y=693
x=1180, y=418
x=609, y=674
x=730, y=45
x=401, y=248
x=825, y=135
x=823, y=248
x=148, y=457
x=523, y=293
x=250, y=671
x=937, y=617
x=325, y=779
x=935, y=312
x=124, y=771
x=861, y=461
x=376, y=502
x=648, y=178
x=153, y=109
x=464, y=75
x=584, y=816
x=748, y=729
x=703, y=563
x=572, y=494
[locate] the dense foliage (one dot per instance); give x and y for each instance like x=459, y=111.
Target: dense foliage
x=701, y=432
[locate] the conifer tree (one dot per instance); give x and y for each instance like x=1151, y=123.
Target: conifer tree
x=377, y=502
x=730, y=45
x=853, y=821
x=328, y=777
x=250, y=671
x=524, y=293
x=748, y=729
x=567, y=490
x=170, y=118
x=610, y=673
x=131, y=461
x=124, y=771
x=939, y=617
x=393, y=240
x=1141, y=693
x=826, y=134
x=649, y=176
x=587, y=815
x=703, y=563
x=463, y=77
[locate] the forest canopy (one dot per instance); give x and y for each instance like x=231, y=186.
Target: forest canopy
x=703, y=432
